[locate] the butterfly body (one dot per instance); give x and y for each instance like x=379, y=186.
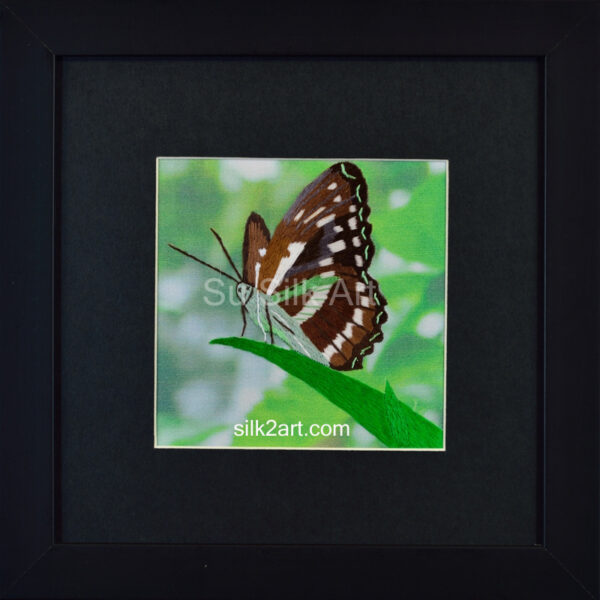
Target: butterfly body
x=270, y=317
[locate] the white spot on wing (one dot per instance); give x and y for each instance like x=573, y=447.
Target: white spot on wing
x=327, y=274
x=314, y=303
x=339, y=340
x=326, y=262
x=299, y=215
x=348, y=330
x=332, y=186
x=256, y=272
x=338, y=198
x=318, y=211
x=359, y=286
x=329, y=352
x=325, y=220
x=262, y=251
x=294, y=250
x=357, y=316
x=338, y=229
x=337, y=246
x=352, y=208
x=359, y=260
x=352, y=223
x=364, y=301
x=356, y=241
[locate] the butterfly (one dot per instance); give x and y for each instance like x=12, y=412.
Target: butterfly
x=308, y=283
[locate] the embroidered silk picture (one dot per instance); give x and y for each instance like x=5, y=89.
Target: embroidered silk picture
x=301, y=303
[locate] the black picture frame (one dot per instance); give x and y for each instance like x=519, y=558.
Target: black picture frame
x=35, y=35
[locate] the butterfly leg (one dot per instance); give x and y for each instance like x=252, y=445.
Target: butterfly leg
x=244, y=321
x=269, y=321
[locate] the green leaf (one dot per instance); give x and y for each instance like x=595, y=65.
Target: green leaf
x=388, y=419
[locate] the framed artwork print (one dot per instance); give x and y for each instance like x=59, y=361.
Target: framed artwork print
x=341, y=309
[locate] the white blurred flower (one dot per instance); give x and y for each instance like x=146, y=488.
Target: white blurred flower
x=386, y=262
x=431, y=325
x=362, y=437
x=436, y=166
x=419, y=390
x=235, y=171
x=198, y=399
x=434, y=416
x=399, y=198
x=174, y=291
x=172, y=166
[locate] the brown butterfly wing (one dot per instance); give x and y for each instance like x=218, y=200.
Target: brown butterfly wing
x=347, y=325
x=326, y=234
x=328, y=222
x=256, y=241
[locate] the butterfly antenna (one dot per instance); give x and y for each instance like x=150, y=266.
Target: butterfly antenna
x=226, y=253
x=204, y=263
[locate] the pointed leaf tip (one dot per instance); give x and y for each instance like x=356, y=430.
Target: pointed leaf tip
x=389, y=391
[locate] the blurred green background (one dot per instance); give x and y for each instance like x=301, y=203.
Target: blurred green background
x=202, y=390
